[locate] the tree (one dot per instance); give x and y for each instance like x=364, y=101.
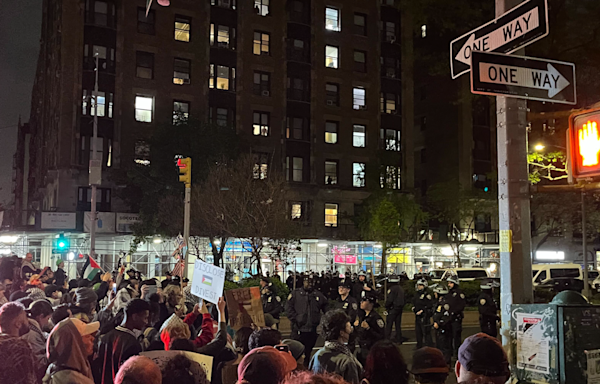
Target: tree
x=550, y=166
x=390, y=218
x=459, y=208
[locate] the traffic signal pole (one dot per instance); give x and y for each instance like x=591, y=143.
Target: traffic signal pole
x=186, y=226
x=513, y=202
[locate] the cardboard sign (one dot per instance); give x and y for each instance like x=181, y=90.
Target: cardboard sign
x=161, y=358
x=208, y=281
x=245, y=308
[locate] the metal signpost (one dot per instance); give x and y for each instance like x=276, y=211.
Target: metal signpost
x=517, y=28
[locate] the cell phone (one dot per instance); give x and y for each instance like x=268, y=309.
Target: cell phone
x=283, y=348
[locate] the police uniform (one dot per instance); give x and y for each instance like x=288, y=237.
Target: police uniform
x=359, y=287
x=423, y=306
x=304, y=308
x=456, y=301
x=348, y=305
x=488, y=312
x=394, y=304
x=271, y=304
x=367, y=337
x=443, y=332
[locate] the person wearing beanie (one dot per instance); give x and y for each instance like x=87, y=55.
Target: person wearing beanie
x=481, y=358
x=296, y=349
x=429, y=366
x=265, y=365
x=60, y=276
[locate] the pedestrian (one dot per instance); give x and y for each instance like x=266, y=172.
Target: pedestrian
x=456, y=301
x=482, y=359
x=38, y=314
x=335, y=356
x=265, y=365
x=60, y=277
x=70, y=344
x=121, y=343
x=304, y=308
x=488, y=310
x=385, y=365
x=369, y=325
x=429, y=366
x=423, y=308
x=271, y=303
x=16, y=358
x=442, y=323
x=394, y=305
x=139, y=370
x=361, y=285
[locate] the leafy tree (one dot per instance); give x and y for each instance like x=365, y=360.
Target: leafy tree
x=550, y=166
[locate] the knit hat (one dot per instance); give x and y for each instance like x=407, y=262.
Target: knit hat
x=483, y=355
x=266, y=365
x=296, y=347
x=59, y=262
x=428, y=360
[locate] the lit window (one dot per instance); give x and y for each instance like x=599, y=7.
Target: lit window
x=181, y=71
x=360, y=61
x=261, y=43
x=142, y=153
x=296, y=211
x=331, y=215
x=359, y=98
x=332, y=19
x=182, y=29
x=359, y=136
x=222, y=78
x=181, y=111
x=358, y=175
x=423, y=31
x=143, y=108
x=331, y=131
x=261, y=166
x=391, y=177
x=261, y=7
x=260, y=125
x=297, y=164
x=100, y=100
x=388, y=103
x=360, y=24
x=332, y=94
x=331, y=174
x=224, y=36
x=144, y=65
x=295, y=128
x=390, y=139
x=331, y=56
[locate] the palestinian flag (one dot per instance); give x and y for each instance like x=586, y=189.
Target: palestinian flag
x=90, y=268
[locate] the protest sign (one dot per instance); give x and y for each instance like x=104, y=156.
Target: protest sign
x=245, y=307
x=161, y=358
x=208, y=281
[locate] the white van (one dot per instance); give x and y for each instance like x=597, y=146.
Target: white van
x=557, y=276
x=466, y=274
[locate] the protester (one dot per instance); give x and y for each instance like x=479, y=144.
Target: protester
x=35, y=293
x=429, y=366
x=385, y=364
x=181, y=370
x=53, y=294
x=121, y=343
x=70, y=344
x=149, y=335
x=16, y=358
x=264, y=337
x=139, y=370
x=60, y=277
x=206, y=332
x=39, y=314
x=481, y=358
x=27, y=267
x=172, y=329
x=265, y=365
x=16, y=295
x=335, y=356
x=310, y=378
x=60, y=313
x=228, y=370
x=85, y=303
x=173, y=304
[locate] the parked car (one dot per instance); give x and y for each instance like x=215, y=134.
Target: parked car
x=466, y=274
x=558, y=277
x=436, y=274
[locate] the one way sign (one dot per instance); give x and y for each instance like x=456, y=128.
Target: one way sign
x=521, y=26
x=523, y=77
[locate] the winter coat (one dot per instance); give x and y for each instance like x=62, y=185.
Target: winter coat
x=37, y=341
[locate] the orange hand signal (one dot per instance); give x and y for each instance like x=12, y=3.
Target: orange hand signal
x=589, y=144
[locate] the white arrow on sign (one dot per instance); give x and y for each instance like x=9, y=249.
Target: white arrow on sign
x=552, y=79
x=500, y=36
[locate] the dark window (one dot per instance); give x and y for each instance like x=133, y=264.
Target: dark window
x=182, y=71
x=389, y=31
x=474, y=274
x=145, y=24
x=332, y=94
x=298, y=50
x=262, y=84
x=224, y=3
x=106, y=58
x=423, y=123
x=261, y=123
x=423, y=155
x=331, y=172
x=298, y=11
x=565, y=272
x=294, y=169
x=360, y=24
x=144, y=65
x=221, y=116
x=296, y=128
x=100, y=13
x=360, y=61
x=390, y=67
x=298, y=89
x=84, y=200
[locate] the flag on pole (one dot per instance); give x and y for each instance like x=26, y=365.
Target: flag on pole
x=148, y=5
x=90, y=268
x=178, y=269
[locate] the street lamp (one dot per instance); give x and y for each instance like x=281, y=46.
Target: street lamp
x=539, y=147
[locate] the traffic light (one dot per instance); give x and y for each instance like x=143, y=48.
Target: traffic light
x=185, y=171
x=584, y=144
x=61, y=244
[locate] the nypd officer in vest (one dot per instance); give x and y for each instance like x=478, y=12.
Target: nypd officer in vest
x=488, y=310
x=304, y=308
x=271, y=303
x=442, y=322
x=361, y=285
x=423, y=306
x=456, y=301
x=348, y=304
x=370, y=326
x=394, y=304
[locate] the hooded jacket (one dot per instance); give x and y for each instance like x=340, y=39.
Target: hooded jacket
x=66, y=353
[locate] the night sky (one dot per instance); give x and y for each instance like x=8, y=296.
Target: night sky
x=19, y=44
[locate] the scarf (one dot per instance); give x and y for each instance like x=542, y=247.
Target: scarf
x=338, y=347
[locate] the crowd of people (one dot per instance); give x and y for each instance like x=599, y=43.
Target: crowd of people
x=119, y=328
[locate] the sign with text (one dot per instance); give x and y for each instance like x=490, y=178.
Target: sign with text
x=245, y=308
x=517, y=28
x=105, y=222
x=208, y=281
x=523, y=77
x=341, y=255
x=126, y=220
x=58, y=220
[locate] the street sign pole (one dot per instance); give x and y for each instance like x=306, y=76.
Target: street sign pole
x=513, y=203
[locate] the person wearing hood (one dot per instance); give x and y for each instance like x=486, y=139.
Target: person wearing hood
x=39, y=314
x=16, y=358
x=70, y=344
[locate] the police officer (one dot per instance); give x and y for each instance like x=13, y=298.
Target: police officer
x=456, y=301
x=394, y=305
x=423, y=305
x=488, y=310
x=271, y=302
x=361, y=285
x=346, y=302
x=304, y=308
x=442, y=322
x=370, y=326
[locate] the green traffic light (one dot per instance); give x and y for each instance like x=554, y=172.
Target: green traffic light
x=61, y=244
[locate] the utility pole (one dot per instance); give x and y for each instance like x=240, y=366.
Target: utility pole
x=95, y=167
x=513, y=202
x=185, y=176
x=586, y=286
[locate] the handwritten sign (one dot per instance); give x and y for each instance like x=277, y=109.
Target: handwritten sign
x=341, y=255
x=245, y=308
x=208, y=281
x=199, y=361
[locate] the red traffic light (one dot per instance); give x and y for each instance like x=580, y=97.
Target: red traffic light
x=181, y=163
x=584, y=146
